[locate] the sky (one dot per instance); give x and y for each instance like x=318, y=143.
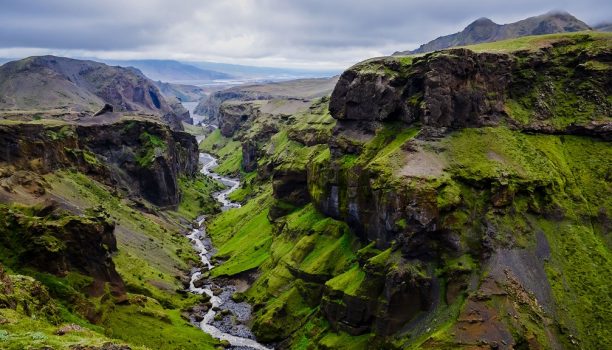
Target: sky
x=307, y=34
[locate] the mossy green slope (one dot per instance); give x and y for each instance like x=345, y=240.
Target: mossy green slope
x=464, y=213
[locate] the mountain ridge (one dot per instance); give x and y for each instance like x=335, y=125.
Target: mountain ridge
x=70, y=89
x=485, y=30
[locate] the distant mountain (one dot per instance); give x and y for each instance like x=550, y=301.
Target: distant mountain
x=271, y=73
x=485, y=30
x=68, y=87
x=603, y=27
x=183, y=92
x=291, y=92
x=171, y=71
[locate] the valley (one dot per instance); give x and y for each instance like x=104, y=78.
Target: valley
x=452, y=197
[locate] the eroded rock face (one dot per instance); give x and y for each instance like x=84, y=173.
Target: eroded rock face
x=249, y=155
x=460, y=88
x=139, y=157
x=59, y=243
x=374, y=210
x=397, y=204
x=182, y=114
x=290, y=186
x=456, y=88
x=386, y=300
x=211, y=105
x=233, y=115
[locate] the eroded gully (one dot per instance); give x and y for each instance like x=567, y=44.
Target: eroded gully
x=226, y=328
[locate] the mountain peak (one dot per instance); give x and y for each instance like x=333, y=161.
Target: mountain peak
x=482, y=21
x=485, y=30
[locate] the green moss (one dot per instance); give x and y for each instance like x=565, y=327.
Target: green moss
x=61, y=133
x=242, y=236
x=348, y=282
x=213, y=142
x=156, y=328
x=518, y=111
x=22, y=332
x=248, y=188
x=281, y=317
x=152, y=146
x=196, y=196
x=345, y=341
x=150, y=249
x=593, y=40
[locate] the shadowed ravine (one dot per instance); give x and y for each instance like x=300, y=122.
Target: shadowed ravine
x=241, y=338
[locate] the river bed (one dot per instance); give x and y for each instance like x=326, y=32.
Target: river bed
x=231, y=326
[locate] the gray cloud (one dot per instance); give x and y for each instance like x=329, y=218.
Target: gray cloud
x=307, y=33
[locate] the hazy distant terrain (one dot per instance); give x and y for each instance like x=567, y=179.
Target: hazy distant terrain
x=170, y=71
x=281, y=97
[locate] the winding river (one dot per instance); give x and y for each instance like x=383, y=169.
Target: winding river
x=241, y=338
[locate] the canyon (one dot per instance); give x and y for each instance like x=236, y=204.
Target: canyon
x=458, y=199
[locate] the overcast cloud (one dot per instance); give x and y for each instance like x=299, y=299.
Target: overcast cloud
x=317, y=34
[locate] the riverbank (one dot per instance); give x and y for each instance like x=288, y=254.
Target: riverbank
x=219, y=316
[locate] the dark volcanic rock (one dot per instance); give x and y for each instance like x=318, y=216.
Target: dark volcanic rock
x=249, y=155
x=211, y=105
x=291, y=186
x=106, y=109
x=232, y=115
x=180, y=111
x=460, y=88
x=72, y=243
x=139, y=157
x=456, y=89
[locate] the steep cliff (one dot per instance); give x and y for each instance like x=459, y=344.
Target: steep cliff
x=456, y=201
x=140, y=157
x=48, y=240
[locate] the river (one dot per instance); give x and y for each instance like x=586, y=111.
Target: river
x=238, y=335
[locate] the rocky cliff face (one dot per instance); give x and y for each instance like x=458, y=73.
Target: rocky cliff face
x=406, y=175
x=182, y=114
x=142, y=158
x=461, y=88
x=300, y=89
x=211, y=105
x=454, y=201
x=48, y=240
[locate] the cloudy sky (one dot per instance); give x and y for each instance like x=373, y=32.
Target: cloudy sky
x=317, y=34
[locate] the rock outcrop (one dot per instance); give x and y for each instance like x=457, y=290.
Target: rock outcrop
x=55, y=242
x=233, y=115
x=460, y=88
x=142, y=158
x=182, y=114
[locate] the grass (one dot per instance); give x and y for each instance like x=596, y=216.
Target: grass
x=344, y=341
x=153, y=145
x=150, y=251
x=22, y=332
x=242, y=236
x=539, y=41
x=228, y=152
x=151, y=326
x=348, y=282
x=197, y=196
